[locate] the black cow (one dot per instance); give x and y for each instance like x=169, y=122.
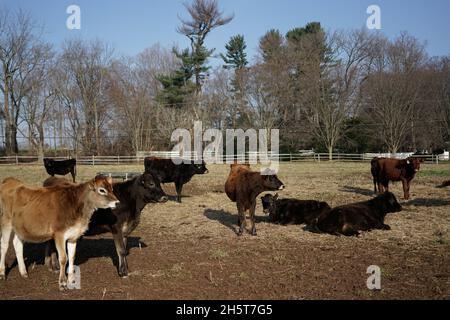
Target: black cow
x=133, y=196
x=362, y=216
x=293, y=211
x=61, y=167
x=168, y=171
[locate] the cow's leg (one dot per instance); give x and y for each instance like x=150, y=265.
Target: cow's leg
x=61, y=247
x=74, y=173
x=18, y=247
x=71, y=249
x=241, y=219
x=405, y=189
x=6, y=236
x=125, y=243
x=121, y=252
x=178, y=187
x=51, y=258
x=252, y=218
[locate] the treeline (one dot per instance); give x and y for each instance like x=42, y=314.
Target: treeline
x=347, y=91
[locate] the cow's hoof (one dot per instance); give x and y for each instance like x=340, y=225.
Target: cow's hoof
x=63, y=287
x=253, y=233
x=24, y=275
x=2, y=277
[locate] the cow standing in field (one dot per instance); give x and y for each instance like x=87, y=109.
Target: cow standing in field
x=293, y=211
x=61, y=167
x=121, y=221
x=167, y=171
x=385, y=169
x=349, y=219
x=61, y=213
x=243, y=186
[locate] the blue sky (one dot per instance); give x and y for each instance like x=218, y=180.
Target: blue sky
x=133, y=25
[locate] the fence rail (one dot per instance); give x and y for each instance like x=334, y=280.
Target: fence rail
x=285, y=157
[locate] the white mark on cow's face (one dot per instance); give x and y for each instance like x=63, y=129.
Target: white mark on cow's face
x=281, y=187
x=102, y=191
x=113, y=204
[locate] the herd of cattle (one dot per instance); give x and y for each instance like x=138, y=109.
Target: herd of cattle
x=61, y=211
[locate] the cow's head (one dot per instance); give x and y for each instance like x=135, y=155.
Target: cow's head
x=200, y=168
x=268, y=203
x=101, y=193
x=272, y=183
x=390, y=203
x=413, y=163
x=148, y=188
x=48, y=162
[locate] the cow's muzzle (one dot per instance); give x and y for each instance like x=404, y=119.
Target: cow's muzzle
x=281, y=187
x=163, y=199
x=113, y=204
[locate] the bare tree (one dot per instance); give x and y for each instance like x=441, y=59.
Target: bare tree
x=20, y=53
x=39, y=101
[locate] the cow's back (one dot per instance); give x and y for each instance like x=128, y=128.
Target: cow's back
x=233, y=178
x=165, y=169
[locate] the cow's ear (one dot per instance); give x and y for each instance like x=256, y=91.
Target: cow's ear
x=91, y=185
x=109, y=180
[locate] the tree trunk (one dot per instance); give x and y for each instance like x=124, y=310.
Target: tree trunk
x=330, y=153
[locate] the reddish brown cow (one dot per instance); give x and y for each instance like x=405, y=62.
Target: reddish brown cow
x=386, y=169
x=243, y=186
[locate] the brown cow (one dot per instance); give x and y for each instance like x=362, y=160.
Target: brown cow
x=243, y=186
x=61, y=213
x=386, y=169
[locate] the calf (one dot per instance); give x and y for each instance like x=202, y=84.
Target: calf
x=293, y=211
x=133, y=195
x=362, y=216
x=384, y=170
x=167, y=171
x=61, y=167
x=61, y=213
x=243, y=186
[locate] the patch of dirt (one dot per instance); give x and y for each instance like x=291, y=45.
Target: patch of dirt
x=190, y=250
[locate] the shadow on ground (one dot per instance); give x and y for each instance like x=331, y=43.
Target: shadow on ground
x=361, y=191
x=228, y=219
x=86, y=249
x=423, y=202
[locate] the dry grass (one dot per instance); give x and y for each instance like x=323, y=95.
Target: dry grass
x=192, y=251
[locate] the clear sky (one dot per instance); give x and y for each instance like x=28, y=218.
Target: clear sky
x=133, y=25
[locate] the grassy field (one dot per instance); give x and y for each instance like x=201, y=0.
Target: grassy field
x=190, y=250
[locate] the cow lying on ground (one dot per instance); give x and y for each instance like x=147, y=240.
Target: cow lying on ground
x=61, y=167
x=293, y=211
x=133, y=195
x=61, y=213
x=167, y=171
x=385, y=170
x=243, y=186
x=362, y=216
